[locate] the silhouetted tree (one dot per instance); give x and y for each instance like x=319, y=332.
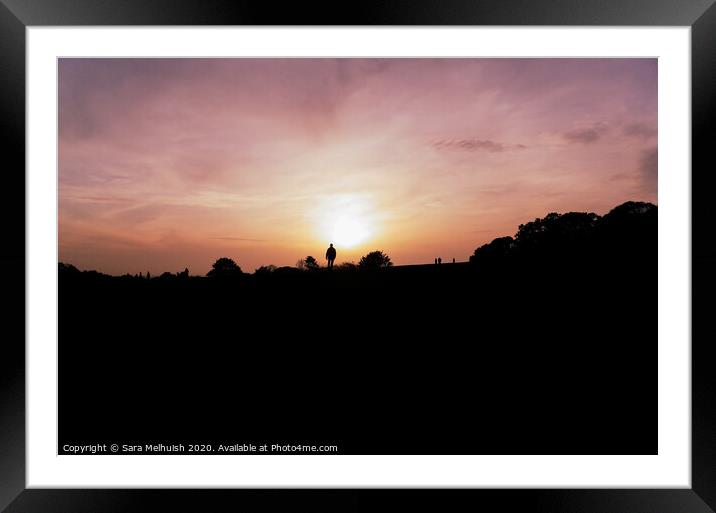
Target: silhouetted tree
x=265, y=270
x=346, y=266
x=556, y=237
x=624, y=233
x=628, y=230
x=375, y=260
x=498, y=249
x=307, y=264
x=68, y=268
x=224, y=267
x=555, y=230
x=629, y=216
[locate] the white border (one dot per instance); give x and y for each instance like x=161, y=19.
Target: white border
x=671, y=468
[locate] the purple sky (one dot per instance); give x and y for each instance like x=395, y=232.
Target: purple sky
x=172, y=163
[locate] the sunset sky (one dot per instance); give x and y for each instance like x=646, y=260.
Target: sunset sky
x=173, y=163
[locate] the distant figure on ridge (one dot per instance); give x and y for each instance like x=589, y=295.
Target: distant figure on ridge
x=436, y=260
x=440, y=260
x=330, y=256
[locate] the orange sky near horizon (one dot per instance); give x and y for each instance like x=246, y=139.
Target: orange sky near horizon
x=173, y=163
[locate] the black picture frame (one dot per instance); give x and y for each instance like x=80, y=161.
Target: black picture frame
x=16, y=15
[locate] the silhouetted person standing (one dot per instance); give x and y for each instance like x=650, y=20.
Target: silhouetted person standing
x=440, y=260
x=330, y=256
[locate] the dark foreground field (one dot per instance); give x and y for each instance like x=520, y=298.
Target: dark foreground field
x=551, y=355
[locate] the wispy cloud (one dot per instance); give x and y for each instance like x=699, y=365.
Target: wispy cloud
x=649, y=169
x=641, y=130
x=585, y=134
x=485, y=145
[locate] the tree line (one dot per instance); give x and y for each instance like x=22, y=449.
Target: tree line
x=626, y=231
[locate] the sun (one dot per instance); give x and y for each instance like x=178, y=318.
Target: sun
x=346, y=220
x=348, y=231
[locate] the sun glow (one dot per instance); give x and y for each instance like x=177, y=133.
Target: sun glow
x=346, y=220
x=348, y=231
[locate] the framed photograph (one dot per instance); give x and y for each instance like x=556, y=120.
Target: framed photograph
x=418, y=252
